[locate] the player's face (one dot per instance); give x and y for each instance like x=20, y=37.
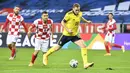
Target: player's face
x=44, y=17
x=16, y=10
x=110, y=16
x=76, y=10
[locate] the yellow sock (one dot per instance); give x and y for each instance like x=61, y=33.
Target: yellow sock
x=84, y=55
x=51, y=50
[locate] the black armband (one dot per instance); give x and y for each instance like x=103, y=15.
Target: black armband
x=64, y=20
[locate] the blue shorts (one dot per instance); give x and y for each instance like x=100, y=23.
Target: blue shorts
x=64, y=39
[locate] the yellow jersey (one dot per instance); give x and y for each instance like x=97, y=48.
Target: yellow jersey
x=72, y=22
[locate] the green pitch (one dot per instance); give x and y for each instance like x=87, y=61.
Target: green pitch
x=59, y=62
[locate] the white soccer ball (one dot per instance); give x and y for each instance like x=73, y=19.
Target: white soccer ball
x=73, y=63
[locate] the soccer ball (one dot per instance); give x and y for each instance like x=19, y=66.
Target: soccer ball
x=73, y=63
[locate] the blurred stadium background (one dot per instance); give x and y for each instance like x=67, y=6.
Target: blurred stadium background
x=94, y=10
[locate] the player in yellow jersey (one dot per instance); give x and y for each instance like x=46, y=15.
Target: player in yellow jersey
x=71, y=24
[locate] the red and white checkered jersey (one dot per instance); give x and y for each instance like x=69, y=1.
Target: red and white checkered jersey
x=14, y=23
x=43, y=30
x=111, y=26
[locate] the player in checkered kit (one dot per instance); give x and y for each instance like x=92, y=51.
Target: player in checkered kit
x=43, y=27
x=14, y=20
x=110, y=28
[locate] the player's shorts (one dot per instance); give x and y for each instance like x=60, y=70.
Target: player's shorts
x=64, y=39
x=41, y=44
x=11, y=39
x=110, y=38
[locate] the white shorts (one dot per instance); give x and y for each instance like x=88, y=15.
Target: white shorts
x=11, y=39
x=110, y=38
x=41, y=44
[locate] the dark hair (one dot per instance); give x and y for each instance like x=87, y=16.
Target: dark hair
x=76, y=5
x=111, y=14
x=17, y=6
x=44, y=12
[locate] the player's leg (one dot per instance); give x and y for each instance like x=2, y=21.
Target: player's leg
x=10, y=46
x=61, y=42
x=9, y=41
x=34, y=56
x=44, y=48
x=107, y=48
x=53, y=49
x=117, y=45
x=13, y=54
x=80, y=43
x=63, y=39
x=107, y=45
x=14, y=40
x=49, y=52
x=35, y=53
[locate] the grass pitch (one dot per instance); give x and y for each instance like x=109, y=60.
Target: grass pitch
x=59, y=62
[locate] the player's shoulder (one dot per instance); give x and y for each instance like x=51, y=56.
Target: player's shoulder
x=113, y=20
x=70, y=12
x=37, y=21
x=80, y=12
x=50, y=20
x=10, y=14
x=19, y=16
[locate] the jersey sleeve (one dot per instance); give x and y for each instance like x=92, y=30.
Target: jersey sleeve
x=6, y=22
x=35, y=23
x=51, y=21
x=113, y=21
x=25, y=26
x=81, y=14
x=22, y=19
x=67, y=17
x=114, y=27
x=8, y=16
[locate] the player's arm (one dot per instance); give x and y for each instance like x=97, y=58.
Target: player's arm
x=34, y=25
x=112, y=29
x=104, y=27
x=52, y=30
x=29, y=30
x=84, y=20
x=64, y=21
x=5, y=25
x=63, y=24
x=23, y=23
x=25, y=27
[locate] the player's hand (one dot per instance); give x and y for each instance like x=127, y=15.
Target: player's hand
x=52, y=37
x=29, y=34
x=107, y=29
x=89, y=22
x=70, y=31
x=1, y=30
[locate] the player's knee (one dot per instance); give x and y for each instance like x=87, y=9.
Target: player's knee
x=36, y=52
x=13, y=44
x=105, y=42
x=43, y=52
x=57, y=47
x=9, y=45
x=82, y=46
